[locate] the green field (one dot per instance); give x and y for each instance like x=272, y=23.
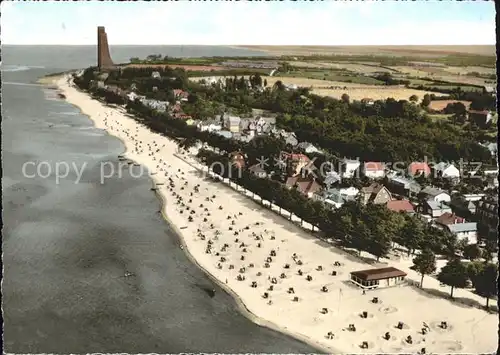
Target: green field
x=333, y=75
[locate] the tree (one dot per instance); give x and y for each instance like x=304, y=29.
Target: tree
x=345, y=98
x=412, y=235
x=426, y=100
x=424, y=264
x=413, y=98
x=472, y=252
x=454, y=274
x=485, y=282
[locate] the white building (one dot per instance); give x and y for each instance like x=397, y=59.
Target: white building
x=350, y=167
x=337, y=197
x=209, y=126
x=374, y=170
x=435, y=194
x=465, y=230
x=308, y=147
x=447, y=170
x=155, y=75
x=132, y=96
x=331, y=178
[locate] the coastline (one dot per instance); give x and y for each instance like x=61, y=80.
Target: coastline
x=250, y=307
x=242, y=308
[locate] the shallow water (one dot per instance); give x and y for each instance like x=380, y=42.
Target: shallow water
x=67, y=246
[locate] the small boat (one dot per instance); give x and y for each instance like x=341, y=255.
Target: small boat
x=128, y=274
x=62, y=96
x=182, y=247
x=183, y=227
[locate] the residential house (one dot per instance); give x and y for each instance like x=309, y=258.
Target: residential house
x=232, y=123
x=291, y=139
x=190, y=121
x=373, y=170
x=403, y=186
x=156, y=75
x=181, y=95
x=331, y=178
x=367, y=101
x=481, y=118
x=473, y=197
x=376, y=193
x=225, y=134
x=433, y=209
x=306, y=185
x=294, y=162
x=463, y=206
x=492, y=147
x=435, y=194
x=155, y=104
x=237, y=159
x=464, y=230
x=337, y=197
x=308, y=148
x=350, y=168
x=418, y=168
x=132, y=96
x=446, y=170
x=245, y=125
x=209, y=125
x=401, y=206
x=487, y=216
x=448, y=218
x=258, y=170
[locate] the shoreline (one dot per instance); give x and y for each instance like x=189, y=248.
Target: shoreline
x=240, y=304
x=252, y=308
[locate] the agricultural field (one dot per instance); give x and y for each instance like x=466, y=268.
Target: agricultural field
x=173, y=66
x=442, y=74
x=415, y=51
x=336, y=88
x=439, y=105
x=364, y=68
x=373, y=92
x=334, y=75
x=467, y=70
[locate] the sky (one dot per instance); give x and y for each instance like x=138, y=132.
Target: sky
x=250, y=23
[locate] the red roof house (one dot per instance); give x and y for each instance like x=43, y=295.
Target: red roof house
x=417, y=168
x=237, y=159
x=400, y=206
x=448, y=218
x=373, y=169
x=307, y=186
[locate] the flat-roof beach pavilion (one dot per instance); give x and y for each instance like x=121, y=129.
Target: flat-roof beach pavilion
x=374, y=278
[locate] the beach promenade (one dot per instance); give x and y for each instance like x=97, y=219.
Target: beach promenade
x=278, y=270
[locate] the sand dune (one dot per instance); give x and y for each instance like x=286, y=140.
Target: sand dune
x=232, y=237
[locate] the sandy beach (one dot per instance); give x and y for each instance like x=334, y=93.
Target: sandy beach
x=278, y=271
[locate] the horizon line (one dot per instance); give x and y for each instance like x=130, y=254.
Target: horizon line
x=255, y=45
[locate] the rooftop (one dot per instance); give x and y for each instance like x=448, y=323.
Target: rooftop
x=400, y=206
x=379, y=274
x=463, y=227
